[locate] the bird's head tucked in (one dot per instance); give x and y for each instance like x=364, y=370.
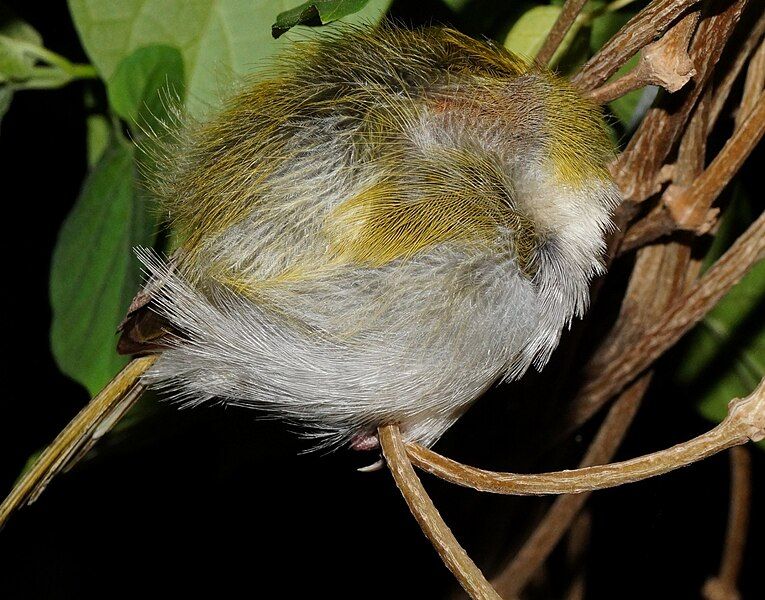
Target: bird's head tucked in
x=376, y=231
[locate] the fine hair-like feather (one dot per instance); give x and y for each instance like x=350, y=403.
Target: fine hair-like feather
x=377, y=231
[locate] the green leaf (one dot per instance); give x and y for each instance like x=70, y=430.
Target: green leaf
x=625, y=106
x=732, y=334
x=6, y=95
x=142, y=82
x=28, y=464
x=605, y=26
x=220, y=41
x=94, y=273
x=16, y=62
x=724, y=356
x=736, y=331
x=456, y=5
x=13, y=27
x=529, y=32
x=98, y=132
x=318, y=12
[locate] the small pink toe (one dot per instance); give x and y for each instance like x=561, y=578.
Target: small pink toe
x=365, y=441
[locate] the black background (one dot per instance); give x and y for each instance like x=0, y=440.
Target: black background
x=215, y=501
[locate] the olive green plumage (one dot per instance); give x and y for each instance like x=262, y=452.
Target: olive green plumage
x=218, y=173
x=377, y=229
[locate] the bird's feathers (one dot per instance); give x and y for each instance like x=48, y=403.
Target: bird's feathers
x=378, y=231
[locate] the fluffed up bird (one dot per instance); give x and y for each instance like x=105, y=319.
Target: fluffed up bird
x=377, y=231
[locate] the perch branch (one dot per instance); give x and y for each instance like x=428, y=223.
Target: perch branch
x=723, y=587
x=426, y=514
x=561, y=515
x=745, y=421
x=563, y=23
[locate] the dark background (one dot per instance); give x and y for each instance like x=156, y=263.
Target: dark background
x=216, y=501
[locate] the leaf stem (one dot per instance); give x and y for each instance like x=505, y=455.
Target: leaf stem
x=60, y=72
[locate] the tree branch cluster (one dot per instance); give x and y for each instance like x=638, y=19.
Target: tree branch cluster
x=668, y=187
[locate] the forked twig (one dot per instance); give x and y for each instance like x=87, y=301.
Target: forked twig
x=648, y=25
x=664, y=62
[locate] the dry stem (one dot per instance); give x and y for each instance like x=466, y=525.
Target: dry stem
x=548, y=533
x=754, y=82
x=649, y=24
x=689, y=207
x=576, y=554
x=723, y=587
x=745, y=421
x=665, y=62
x=723, y=89
x=563, y=23
x=426, y=514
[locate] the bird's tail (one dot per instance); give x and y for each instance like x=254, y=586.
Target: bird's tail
x=79, y=436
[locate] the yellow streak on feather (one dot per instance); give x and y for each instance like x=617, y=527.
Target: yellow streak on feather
x=381, y=225
x=580, y=147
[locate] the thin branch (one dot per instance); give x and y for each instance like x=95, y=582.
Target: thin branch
x=426, y=514
x=576, y=555
x=753, y=84
x=689, y=207
x=648, y=25
x=664, y=62
x=745, y=421
x=638, y=170
x=723, y=587
x=652, y=227
x=86, y=427
x=545, y=537
x=563, y=23
x=634, y=80
x=722, y=91
x=610, y=376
